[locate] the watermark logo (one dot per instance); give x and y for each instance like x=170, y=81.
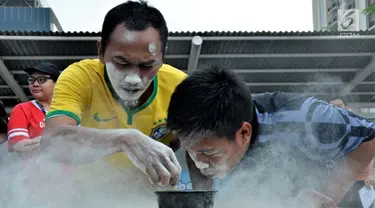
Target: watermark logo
x=347, y=19
x=348, y=22
x=349, y=34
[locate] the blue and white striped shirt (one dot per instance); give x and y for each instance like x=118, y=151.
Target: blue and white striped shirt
x=295, y=130
x=320, y=130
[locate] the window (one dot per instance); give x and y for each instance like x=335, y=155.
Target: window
x=53, y=27
x=335, y=3
x=352, y=5
x=332, y=17
x=370, y=19
x=367, y=110
x=329, y=5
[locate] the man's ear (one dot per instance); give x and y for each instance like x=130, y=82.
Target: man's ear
x=175, y=144
x=243, y=134
x=100, y=51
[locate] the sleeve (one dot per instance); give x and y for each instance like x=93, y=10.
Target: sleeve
x=17, y=126
x=335, y=132
x=71, y=93
x=275, y=101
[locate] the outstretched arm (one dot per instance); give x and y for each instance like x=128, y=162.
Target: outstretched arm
x=369, y=178
x=68, y=143
x=342, y=134
x=349, y=170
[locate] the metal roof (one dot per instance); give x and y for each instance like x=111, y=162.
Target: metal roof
x=309, y=62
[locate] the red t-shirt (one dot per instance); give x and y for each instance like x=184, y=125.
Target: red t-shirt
x=26, y=121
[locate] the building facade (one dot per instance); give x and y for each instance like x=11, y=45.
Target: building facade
x=27, y=15
x=326, y=14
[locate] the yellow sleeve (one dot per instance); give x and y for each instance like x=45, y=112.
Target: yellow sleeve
x=71, y=94
x=172, y=76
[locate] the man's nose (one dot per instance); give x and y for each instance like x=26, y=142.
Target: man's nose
x=201, y=164
x=35, y=83
x=202, y=158
x=133, y=78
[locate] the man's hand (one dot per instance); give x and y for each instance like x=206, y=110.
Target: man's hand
x=308, y=198
x=155, y=159
x=175, y=145
x=27, y=145
x=3, y=138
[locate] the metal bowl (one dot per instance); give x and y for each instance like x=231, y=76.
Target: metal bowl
x=186, y=199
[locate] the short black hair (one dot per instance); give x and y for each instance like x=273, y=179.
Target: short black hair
x=137, y=16
x=210, y=101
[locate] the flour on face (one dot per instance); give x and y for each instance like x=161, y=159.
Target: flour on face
x=152, y=48
x=214, y=171
x=200, y=165
x=129, y=85
x=130, y=36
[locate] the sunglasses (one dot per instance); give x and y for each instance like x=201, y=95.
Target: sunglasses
x=40, y=79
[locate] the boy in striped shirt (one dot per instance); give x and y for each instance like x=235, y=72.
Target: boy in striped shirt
x=290, y=145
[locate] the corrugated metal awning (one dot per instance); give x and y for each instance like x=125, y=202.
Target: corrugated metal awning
x=309, y=62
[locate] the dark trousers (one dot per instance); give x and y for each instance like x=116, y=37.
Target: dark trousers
x=351, y=198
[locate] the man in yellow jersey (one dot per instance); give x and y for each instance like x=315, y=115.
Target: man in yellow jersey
x=118, y=103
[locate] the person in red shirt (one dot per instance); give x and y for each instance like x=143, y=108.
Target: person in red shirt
x=26, y=122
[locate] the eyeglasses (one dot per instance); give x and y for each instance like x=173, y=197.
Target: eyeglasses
x=40, y=79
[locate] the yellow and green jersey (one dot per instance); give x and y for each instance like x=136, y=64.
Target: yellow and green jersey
x=84, y=93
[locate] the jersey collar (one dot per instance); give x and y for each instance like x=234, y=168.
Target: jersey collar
x=117, y=97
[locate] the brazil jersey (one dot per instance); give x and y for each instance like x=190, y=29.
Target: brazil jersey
x=84, y=93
